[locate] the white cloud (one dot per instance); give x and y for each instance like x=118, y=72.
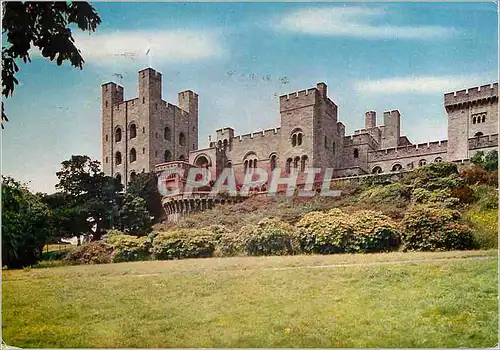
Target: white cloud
x=354, y=22
x=422, y=84
x=165, y=46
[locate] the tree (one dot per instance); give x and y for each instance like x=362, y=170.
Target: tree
x=145, y=186
x=45, y=26
x=90, y=193
x=134, y=216
x=24, y=225
x=488, y=161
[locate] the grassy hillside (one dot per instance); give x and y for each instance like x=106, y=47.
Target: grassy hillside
x=446, y=299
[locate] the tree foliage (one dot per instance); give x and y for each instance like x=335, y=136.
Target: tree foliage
x=24, y=225
x=488, y=161
x=134, y=217
x=90, y=193
x=145, y=186
x=46, y=27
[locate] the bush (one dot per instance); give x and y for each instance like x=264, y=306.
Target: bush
x=183, y=243
x=228, y=242
x=129, y=248
x=431, y=228
x=269, y=237
x=337, y=232
x=98, y=252
x=396, y=194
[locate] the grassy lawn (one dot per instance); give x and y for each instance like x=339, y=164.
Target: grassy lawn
x=378, y=300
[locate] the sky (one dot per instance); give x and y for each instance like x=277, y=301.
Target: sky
x=239, y=57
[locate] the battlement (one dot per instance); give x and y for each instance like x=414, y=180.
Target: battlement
x=299, y=99
x=483, y=141
x=149, y=72
x=253, y=135
x=410, y=150
x=173, y=109
x=222, y=131
x=471, y=94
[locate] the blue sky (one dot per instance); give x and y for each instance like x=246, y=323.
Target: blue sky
x=240, y=56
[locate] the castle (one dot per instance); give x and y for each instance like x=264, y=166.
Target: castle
x=146, y=131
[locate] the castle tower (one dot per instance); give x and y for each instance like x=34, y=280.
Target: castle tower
x=139, y=133
x=308, y=129
x=471, y=113
x=391, y=130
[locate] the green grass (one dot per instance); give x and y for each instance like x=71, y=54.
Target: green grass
x=432, y=300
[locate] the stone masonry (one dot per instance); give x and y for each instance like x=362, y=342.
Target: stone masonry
x=140, y=133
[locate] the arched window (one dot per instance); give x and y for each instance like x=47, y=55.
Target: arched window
x=294, y=140
x=288, y=165
x=245, y=165
x=272, y=162
x=356, y=153
x=202, y=162
x=133, y=131
x=303, y=163
x=422, y=162
x=296, y=137
x=118, y=134
x=326, y=142
x=167, y=156
x=225, y=143
x=255, y=163
x=182, y=139
x=299, y=139
x=167, y=134
x=484, y=118
x=118, y=177
x=133, y=155
x=474, y=120
x=477, y=134
x=132, y=176
x=118, y=158
x=397, y=167
x=296, y=162
x=229, y=164
x=438, y=160
x=181, y=157
x=376, y=170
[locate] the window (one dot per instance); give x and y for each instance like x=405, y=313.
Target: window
x=333, y=147
x=143, y=150
x=118, y=134
x=143, y=100
x=478, y=134
x=132, y=176
x=356, y=153
x=106, y=160
x=272, y=162
x=288, y=164
x=474, y=120
x=397, y=167
x=118, y=177
x=225, y=143
x=438, y=160
x=296, y=138
x=422, y=162
x=182, y=139
x=167, y=134
x=245, y=166
x=326, y=142
x=133, y=131
x=167, y=156
x=118, y=158
x=106, y=103
x=133, y=155
x=106, y=138
x=143, y=130
x=376, y=170
x=484, y=118
x=303, y=163
x=181, y=157
x=296, y=162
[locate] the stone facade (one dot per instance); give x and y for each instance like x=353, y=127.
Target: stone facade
x=310, y=134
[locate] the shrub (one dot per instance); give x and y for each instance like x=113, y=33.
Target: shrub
x=396, y=194
x=129, y=248
x=337, y=232
x=98, y=252
x=442, y=197
x=183, y=243
x=268, y=237
x=431, y=228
